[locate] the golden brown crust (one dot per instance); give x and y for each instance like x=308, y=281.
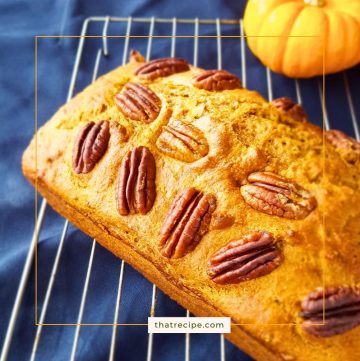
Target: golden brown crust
x=244, y=135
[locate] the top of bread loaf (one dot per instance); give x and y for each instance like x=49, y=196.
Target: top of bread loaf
x=186, y=162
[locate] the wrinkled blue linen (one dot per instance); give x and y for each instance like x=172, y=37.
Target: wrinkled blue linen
x=20, y=22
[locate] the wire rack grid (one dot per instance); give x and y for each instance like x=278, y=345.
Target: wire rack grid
x=218, y=25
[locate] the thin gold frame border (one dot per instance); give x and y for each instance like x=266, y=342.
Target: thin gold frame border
x=323, y=107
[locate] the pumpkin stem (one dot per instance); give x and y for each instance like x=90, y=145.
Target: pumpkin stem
x=317, y=3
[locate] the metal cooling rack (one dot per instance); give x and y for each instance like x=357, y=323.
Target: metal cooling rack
x=103, y=51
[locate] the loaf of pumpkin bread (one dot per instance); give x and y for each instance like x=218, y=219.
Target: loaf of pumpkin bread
x=231, y=205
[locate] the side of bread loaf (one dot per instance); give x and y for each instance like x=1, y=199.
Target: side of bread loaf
x=231, y=205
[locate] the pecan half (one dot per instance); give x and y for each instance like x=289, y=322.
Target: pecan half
x=138, y=102
x=215, y=80
x=269, y=193
x=254, y=255
x=183, y=142
x=90, y=145
x=161, y=67
x=342, y=311
x=347, y=145
x=294, y=110
x=186, y=222
x=136, y=189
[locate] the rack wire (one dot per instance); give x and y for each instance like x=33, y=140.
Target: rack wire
x=103, y=51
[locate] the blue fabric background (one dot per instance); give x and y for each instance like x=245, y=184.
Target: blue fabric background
x=19, y=22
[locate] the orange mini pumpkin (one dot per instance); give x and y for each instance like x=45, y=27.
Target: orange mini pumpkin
x=303, y=38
